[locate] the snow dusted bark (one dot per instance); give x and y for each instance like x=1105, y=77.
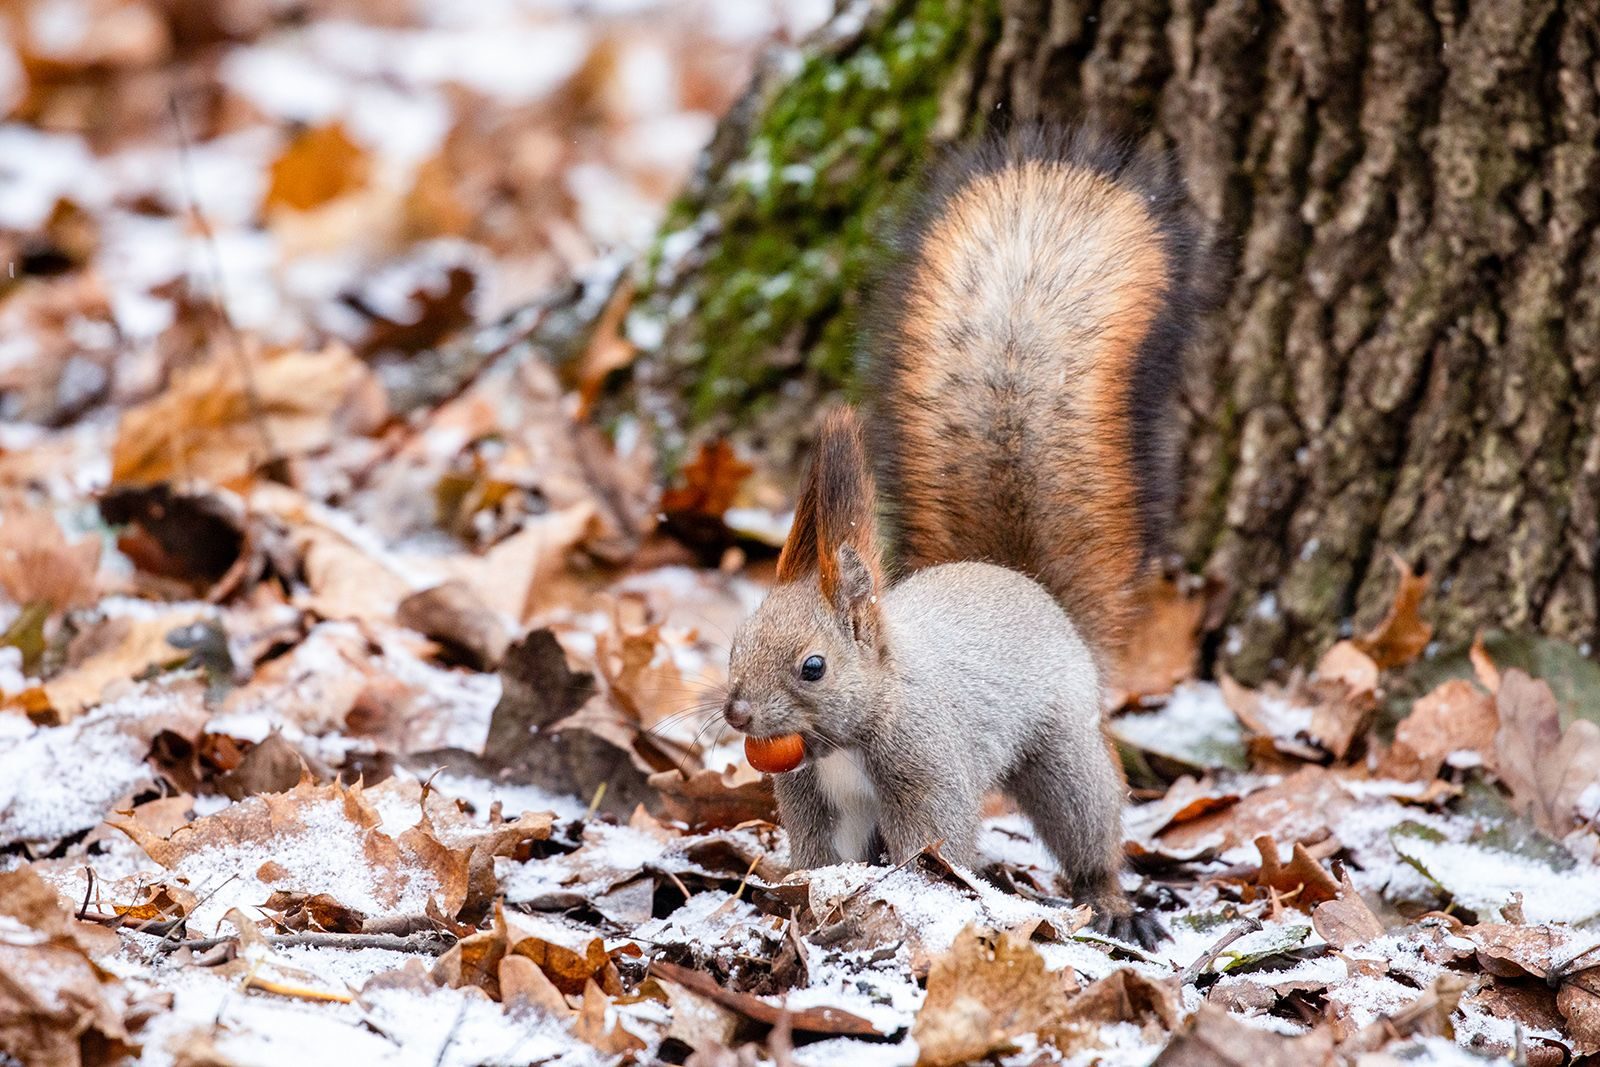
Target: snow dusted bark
x=1407, y=352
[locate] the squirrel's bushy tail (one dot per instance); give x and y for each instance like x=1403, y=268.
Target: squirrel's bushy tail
x=1024, y=351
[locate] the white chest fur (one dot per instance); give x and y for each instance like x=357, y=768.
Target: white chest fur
x=854, y=800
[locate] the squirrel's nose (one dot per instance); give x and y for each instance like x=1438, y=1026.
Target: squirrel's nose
x=738, y=714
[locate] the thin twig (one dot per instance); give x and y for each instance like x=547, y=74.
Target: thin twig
x=455, y=1027
x=88, y=891
x=1195, y=969
x=433, y=943
x=252, y=396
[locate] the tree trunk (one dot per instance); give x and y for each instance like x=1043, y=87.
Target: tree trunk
x=1407, y=353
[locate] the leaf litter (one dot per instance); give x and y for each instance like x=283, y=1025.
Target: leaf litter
x=350, y=717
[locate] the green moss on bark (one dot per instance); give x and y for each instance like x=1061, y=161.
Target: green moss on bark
x=755, y=278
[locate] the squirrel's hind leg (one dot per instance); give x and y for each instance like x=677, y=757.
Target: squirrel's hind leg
x=1072, y=792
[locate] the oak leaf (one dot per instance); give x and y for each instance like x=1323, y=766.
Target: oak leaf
x=1546, y=768
x=222, y=420
x=1402, y=634
x=985, y=993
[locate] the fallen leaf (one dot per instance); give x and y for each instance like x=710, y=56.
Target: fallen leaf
x=1546, y=768
x=302, y=840
x=1457, y=717
x=1402, y=634
x=1578, y=1000
x=708, y=800
x=1527, y=1008
x=320, y=164
x=590, y=1025
x=1303, y=807
x=1214, y=1038
x=38, y=565
x=196, y=538
x=709, y=483
x=1346, y=683
x=56, y=1004
x=272, y=765
x=548, y=726
x=1163, y=647
x=1125, y=996
x=1346, y=920
x=1303, y=881
x=222, y=420
x=453, y=615
x=988, y=991
x=524, y=987
x=114, y=650
x=1482, y=665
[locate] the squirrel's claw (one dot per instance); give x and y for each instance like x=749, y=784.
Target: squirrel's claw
x=1137, y=927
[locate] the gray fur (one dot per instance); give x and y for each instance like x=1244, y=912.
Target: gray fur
x=973, y=679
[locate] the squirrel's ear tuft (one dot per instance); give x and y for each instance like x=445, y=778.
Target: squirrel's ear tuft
x=837, y=508
x=847, y=502
x=799, y=555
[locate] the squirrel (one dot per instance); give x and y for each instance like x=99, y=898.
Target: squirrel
x=1022, y=355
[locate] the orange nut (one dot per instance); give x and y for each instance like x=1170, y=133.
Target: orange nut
x=774, y=755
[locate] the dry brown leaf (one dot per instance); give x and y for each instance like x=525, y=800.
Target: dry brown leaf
x=708, y=800
x=985, y=993
x=1545, y=767
x=321, y=164
x=1303, y=882
x=203, y=540
x=524, y=987
x=590, y=1025
x=223, y=419
x=115, y=650
x=1525, y=1006
x=287, y=828
x=55, y=1002
x=1164, y=646
x=1456, y=717
x=1482, y=665
x=1402, y=634
x=529, y=572
x=1123, y=996
x=271, y=766
x=38, y=565
x=1303, y=807
x=1215, y=1038
x=1346, y=920
x=569, y=957
x=1579, y=1003
x=1346, y=685
x=1520, y=950
x=453, y=615
x=608, y=350
x=711, y=481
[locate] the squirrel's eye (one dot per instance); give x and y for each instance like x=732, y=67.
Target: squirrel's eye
x=812, y=668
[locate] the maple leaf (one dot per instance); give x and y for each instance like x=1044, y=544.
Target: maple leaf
x=711, y=481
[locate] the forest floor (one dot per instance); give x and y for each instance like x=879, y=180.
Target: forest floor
x=333, y=731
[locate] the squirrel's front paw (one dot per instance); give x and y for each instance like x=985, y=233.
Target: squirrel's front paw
x=1140, y=927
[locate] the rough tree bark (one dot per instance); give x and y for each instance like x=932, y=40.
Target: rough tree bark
x=1407, y=354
